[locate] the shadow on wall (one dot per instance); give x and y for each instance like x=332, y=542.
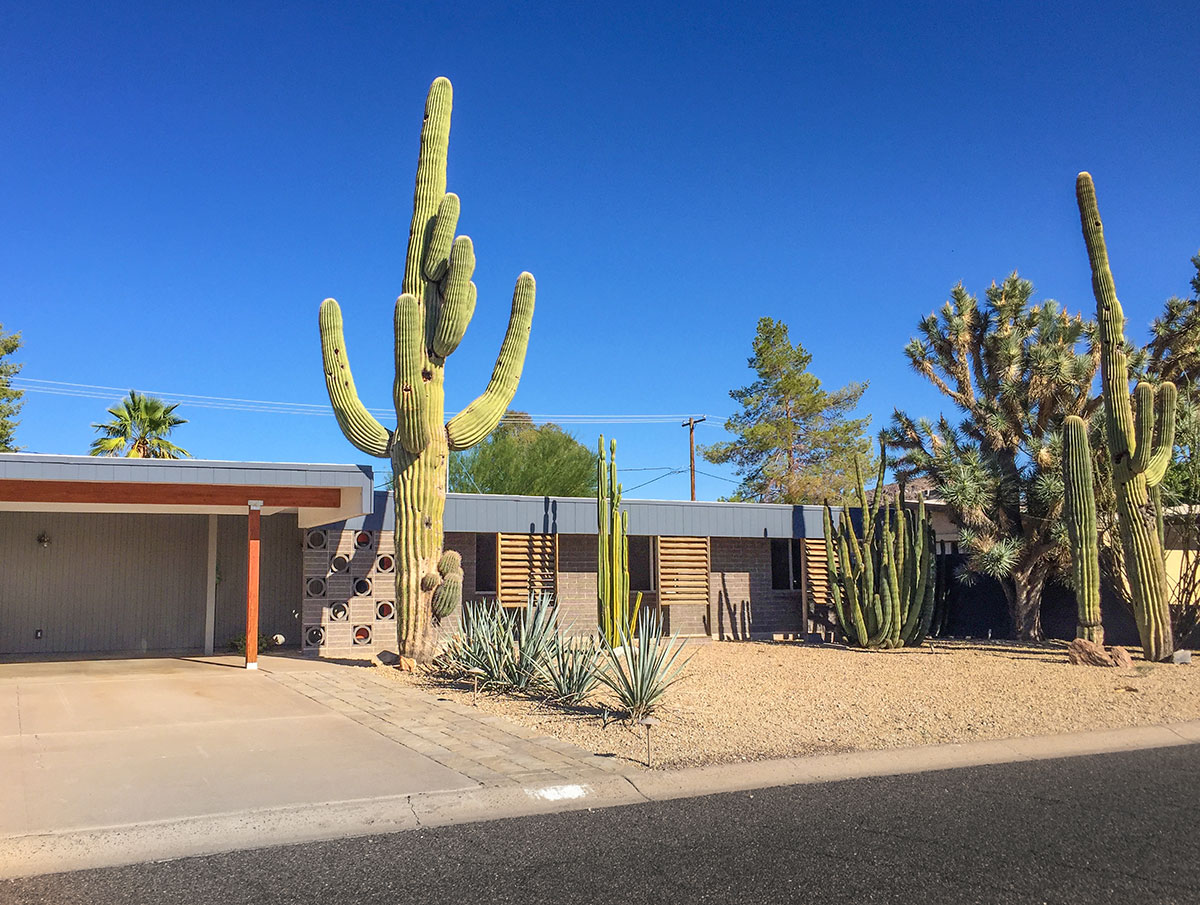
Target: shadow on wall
x=981, y=607
x=733, y=619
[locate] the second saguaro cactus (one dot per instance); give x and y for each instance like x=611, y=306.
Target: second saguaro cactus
x=1079, y=512
x=1140, y=449
x=430, y=317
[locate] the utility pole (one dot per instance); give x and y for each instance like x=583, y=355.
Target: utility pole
x=690, y=424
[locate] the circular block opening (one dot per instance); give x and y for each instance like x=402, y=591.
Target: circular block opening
x=316, y=587
x=314, y=636
x=362, y=586
x=363, y=540
x=385, y=609
x=316, y=540
x=340, y=563
x=340, y=611
x=385, y=563
x=362, y=634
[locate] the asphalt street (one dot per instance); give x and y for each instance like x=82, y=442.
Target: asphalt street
x=1114, y=828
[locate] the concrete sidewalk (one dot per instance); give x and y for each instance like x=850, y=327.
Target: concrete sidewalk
x=329, y=751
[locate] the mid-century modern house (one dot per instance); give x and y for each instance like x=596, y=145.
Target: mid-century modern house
x=107, y=555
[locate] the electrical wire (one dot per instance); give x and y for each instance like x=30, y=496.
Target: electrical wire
x=263, y=406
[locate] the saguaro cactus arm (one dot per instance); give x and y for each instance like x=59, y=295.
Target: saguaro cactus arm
x=480, y=418
x=360, y=426
x=1163, y=449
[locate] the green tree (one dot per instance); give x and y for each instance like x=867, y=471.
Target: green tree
x=519, y=457
x=139, y=429
x=794, y=441
x=1014, y=370
x=10, y=398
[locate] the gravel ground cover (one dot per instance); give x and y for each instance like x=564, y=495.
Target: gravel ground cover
x=748, y=700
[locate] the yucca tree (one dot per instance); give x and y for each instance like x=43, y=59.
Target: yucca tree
x=139, y=429
x=1015, y=370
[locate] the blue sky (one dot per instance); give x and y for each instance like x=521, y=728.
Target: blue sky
x=183, y=184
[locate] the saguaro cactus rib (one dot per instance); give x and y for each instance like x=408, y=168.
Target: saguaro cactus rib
x=1132, y=474
x=430, y=318
x=360, y=426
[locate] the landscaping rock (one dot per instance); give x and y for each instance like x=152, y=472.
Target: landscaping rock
x=1121, y=658
x=1082, y=652
x=388, y=657
x=1181, y=657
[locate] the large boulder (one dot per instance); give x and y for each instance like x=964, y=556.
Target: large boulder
x=1082, y=652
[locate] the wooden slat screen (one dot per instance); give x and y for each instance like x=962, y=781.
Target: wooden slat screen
x=816, y=569
x=683, y=567
x=528, y=564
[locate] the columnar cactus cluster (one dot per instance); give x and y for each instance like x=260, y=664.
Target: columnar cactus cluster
x=431, y=317
x=1079, y=512
x=882, y=585
x=1140, y=448
x=612, y=570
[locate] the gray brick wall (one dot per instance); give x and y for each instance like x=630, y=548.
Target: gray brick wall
x=742, y=602
x=577, y=558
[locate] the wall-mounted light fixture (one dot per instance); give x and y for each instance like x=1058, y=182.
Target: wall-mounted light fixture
x=44, y=539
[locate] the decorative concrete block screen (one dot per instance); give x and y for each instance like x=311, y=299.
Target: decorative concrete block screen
x=349, y=585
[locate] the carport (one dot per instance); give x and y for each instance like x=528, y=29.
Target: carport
x=106, y=554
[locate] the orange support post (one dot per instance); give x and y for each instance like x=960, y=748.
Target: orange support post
x=253, y=533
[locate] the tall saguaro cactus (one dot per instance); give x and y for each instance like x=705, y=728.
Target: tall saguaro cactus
x=1079, y=512
x=1140, y=449
x=431, y=316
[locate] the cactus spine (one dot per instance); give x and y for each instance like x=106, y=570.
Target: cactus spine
x=430, y=319
x=612, y=573
x=1079, y=510
x=1140, y=450
x=882, y=585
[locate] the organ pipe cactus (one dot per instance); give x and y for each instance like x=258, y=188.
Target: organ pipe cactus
x=1140, y=447
x=430, y=318
x=882, y=585
x=1079, y=511
x=612, y=571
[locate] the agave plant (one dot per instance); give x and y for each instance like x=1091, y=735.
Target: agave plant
x=508, y=650
x=572, y=671
x=641, y=669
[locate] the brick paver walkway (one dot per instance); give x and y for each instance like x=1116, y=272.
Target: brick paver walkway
x=487, y=749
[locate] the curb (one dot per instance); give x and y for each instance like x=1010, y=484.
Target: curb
x=25, y=856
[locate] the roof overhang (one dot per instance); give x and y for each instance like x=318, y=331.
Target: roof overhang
x=318, y=494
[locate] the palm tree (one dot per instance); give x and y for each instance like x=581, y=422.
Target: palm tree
x=139, y=430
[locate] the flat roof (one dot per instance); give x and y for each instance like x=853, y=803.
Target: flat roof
x=490, y=513
x=317, y=493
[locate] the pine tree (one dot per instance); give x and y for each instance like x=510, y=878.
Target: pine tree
x=10, y=398
x=794, y=441
x=1014, y=370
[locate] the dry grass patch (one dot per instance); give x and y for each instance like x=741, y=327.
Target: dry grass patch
x=748, y=701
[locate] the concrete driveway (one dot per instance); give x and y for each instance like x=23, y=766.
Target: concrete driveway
x=101, y=743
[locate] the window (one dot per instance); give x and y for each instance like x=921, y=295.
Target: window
x=787, y=558
x=641, y=563
x=485, y=563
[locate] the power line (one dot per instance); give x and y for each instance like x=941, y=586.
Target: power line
x=264, y=406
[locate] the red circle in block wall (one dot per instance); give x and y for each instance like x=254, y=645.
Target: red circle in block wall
x=363, y=540
x=385, y=610
x=362, y=634
x=385, y=563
